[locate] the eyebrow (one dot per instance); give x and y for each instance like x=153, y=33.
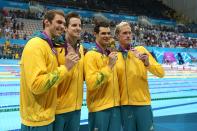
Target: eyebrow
x=75, y=24
x=60, y=22
x=106, y=33
x=127, y=32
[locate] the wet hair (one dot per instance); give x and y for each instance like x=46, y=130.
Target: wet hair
x=69, y=16
x=49, y=15
x=100, y=24
x=119, y=26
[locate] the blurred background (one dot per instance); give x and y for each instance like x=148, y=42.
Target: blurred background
x=167, y=28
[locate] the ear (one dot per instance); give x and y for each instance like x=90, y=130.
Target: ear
x=66, y=29
x=46, y=22
x=117, y=36
x=95, y=34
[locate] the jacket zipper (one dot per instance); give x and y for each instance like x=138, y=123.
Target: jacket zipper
x=77, y=85
x=126, y=80
x=113, y=89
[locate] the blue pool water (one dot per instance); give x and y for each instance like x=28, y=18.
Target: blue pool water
x=174, y=94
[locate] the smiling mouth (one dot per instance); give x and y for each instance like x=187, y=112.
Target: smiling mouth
x=106, y=39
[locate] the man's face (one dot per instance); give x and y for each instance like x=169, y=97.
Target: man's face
x=56, y=26
x=74, y=28
x=125, y=35
x=103, y=37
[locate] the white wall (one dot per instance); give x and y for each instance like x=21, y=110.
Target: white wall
x=186, y=7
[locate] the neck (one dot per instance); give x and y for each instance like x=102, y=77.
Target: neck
x=124, y=46
x=48, y=33
x=103, y=48
x=71, y=41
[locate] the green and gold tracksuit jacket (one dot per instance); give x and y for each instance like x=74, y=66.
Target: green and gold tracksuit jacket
x=132, y=77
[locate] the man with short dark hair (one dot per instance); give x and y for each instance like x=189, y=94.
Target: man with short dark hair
x=70, y=91
x=40, y=76
x=103, y=98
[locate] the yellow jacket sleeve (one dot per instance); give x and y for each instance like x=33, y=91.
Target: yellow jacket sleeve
x=96, y=76
x=154, y=67
x=36, y=68
x=61, y=58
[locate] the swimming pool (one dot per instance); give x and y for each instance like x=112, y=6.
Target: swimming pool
x=176, y=93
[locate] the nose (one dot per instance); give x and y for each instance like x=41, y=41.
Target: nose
x=107, y=34
x=79, y=28
x=62, y=26
x=129, y=35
